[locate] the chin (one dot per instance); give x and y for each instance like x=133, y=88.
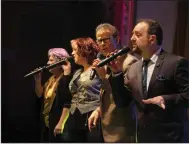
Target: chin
x=50, y=71
x=104, y=53
x=75, y=61
x=136, y=50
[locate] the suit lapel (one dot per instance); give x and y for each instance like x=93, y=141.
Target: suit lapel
x=139, y=75
x=156, y=70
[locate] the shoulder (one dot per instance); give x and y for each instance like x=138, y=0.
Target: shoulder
x=65, y=79
x=129, y=60
x=174, y=59
x=78, y=71
x=136, y=63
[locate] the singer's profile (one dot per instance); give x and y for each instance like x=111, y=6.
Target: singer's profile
x=85, y=92
x=158, y=86
x=56, y=98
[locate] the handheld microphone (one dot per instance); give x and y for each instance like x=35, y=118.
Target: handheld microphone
x=93, y=71
x=61, y=62
x=122, y=51
x=105, y=61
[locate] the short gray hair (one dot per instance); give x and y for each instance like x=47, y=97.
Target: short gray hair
x=108, y=26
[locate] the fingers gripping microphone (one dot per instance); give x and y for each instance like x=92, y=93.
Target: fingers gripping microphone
x=105, y=61
x=61, y=62
x=93, y=71
x=122, y=51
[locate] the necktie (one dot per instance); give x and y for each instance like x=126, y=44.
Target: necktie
x=144, y=76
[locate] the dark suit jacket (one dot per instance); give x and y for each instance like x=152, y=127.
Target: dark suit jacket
x=170, y=79
x=62, y=100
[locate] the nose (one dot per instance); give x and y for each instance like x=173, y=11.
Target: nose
x=132, y=38
x=102, y=44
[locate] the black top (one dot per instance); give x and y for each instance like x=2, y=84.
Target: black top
x=62, y=100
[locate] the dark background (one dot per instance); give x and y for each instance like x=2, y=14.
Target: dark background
x=29, y=29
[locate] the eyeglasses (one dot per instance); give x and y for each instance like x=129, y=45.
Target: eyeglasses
x=105, y=40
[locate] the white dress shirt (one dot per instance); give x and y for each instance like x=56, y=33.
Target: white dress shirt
x=151, y=66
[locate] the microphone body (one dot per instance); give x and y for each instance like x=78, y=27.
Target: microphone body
x=92, y=74
x=93, y=71
x=61, y=62
x=105, y=60
x=122, y=51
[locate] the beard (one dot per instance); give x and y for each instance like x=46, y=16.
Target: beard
x=136, y=50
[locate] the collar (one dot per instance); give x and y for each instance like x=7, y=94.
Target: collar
x=154, y=57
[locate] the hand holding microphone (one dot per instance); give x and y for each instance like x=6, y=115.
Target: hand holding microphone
x=40, y=69
x=114, y=55
x=100, y=71
x=115, y=66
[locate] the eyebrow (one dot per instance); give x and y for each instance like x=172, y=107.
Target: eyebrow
x=103, y=38
x=135, y=31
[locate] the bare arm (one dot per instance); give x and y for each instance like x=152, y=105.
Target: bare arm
x=96, y=114
x=64, y=116
x=60, y=126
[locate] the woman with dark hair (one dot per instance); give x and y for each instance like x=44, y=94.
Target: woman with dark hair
x=56, y=98
x=85, y=92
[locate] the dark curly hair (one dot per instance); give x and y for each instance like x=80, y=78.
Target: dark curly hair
x=87, y=47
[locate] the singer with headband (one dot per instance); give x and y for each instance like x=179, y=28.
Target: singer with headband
x=56, y=98
x=85, y=92
x=117, y=123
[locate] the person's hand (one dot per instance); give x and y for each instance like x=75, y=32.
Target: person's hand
x=37, y=76
x=67, y=68
x=58, y=129
x=159, y=100
x=100, y=71
x=116, y=65
x=93, y=119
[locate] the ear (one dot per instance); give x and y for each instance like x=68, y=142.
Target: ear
x=152, y=39
x=116, y=41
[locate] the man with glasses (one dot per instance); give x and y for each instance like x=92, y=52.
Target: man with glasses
x=117, y=123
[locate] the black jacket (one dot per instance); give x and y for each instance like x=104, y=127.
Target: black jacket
x=62, y=100
x=170, y=79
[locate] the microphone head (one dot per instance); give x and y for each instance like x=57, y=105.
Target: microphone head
x=124, y=50
x=69, y=58
x=126, y=47
x=100, y=56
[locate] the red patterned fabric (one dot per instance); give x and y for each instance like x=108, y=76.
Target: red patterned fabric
x=124, y=18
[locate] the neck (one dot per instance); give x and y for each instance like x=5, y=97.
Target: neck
x=86, y=67
x=149, y=52
x=58, y=73
x=137, y=56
